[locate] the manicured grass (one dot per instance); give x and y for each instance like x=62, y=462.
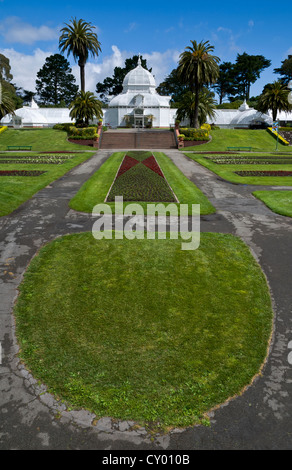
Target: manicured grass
x=41, y=140
x=278, y=201
x=259, y=140
x=95, y=190
x=227, y=171
x=142, y=330
x=15, y=190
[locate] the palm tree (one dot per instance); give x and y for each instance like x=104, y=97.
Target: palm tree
x=206, y=106
x=7, y=105
x=85, y=107
x=274, y=98
x=79, y=39
x=198, y=67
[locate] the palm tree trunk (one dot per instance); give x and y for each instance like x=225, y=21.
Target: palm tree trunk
x=81, y=64
x=196, y=110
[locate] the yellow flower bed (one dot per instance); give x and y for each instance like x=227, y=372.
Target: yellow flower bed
x=276, y=134
x=2, y=129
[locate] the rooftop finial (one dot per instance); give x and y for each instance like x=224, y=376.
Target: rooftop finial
x=139, y=59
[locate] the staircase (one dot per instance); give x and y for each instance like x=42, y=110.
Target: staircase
x=137, y=139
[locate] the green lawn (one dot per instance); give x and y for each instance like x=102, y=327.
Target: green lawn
x=15, y=190
x=41, y=140
x=141, y=330
x=95, y=190
x=278, y=201
x=227, y=171
x=259, y=140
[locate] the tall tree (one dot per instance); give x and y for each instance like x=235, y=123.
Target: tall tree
x=5, y=79
x=55, y=81
x=79, y=39
x=198, y=67
x=248, y=69
x=274, y=98
x=285, y=70
x=226, y=85
x=7, y=105
x=187, y=106
x=85, y=107
x=114, y=85
x=173, y=86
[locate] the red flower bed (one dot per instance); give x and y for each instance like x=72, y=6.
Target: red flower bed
x=151, y=163
x=21, y=173
x=128, y=163
x=264, y=173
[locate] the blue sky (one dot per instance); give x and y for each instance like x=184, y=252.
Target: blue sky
x=160, y=31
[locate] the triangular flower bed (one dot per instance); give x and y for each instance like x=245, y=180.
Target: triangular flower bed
x=141, y=179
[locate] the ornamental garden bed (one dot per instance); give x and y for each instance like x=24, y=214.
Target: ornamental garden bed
x=141, y=179
x=264, y=173
x=21, y=173
x=252, y=161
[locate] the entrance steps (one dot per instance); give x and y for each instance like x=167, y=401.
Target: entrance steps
x=138, y=139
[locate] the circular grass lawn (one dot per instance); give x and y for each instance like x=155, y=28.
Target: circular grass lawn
x=141, y=330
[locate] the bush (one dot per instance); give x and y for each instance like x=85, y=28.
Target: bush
x=63, y=127
x=194, y=134
x=206, y=127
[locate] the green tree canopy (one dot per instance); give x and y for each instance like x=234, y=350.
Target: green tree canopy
x=173, y=86
x=247, y=70
x=7, y=104
x=8, y=88
x=114, y=85
x=198, y=67
x=275, y=98
x=55, y=81
x=79, y=39
x=285, y=70
x=206, y=107
x=226, y=84
x=85, y=107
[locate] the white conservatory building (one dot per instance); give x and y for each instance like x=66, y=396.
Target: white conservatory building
x=139, y=104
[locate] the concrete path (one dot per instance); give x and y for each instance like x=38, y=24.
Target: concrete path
x=260, y=418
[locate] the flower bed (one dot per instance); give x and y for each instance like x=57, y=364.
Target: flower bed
x=260, y=161
x=21, y=173
x=190, y=143
x=264, y=173
x=141, y=181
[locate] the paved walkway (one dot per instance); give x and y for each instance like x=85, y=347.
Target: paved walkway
x=258, y=419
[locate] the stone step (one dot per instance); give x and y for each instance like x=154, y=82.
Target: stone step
x=136, y=140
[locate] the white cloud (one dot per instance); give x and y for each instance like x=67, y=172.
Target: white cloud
x=24, y=67
x=14, y=30
x=162, y=63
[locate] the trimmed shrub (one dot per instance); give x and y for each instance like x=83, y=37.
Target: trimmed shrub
x=195, y=134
